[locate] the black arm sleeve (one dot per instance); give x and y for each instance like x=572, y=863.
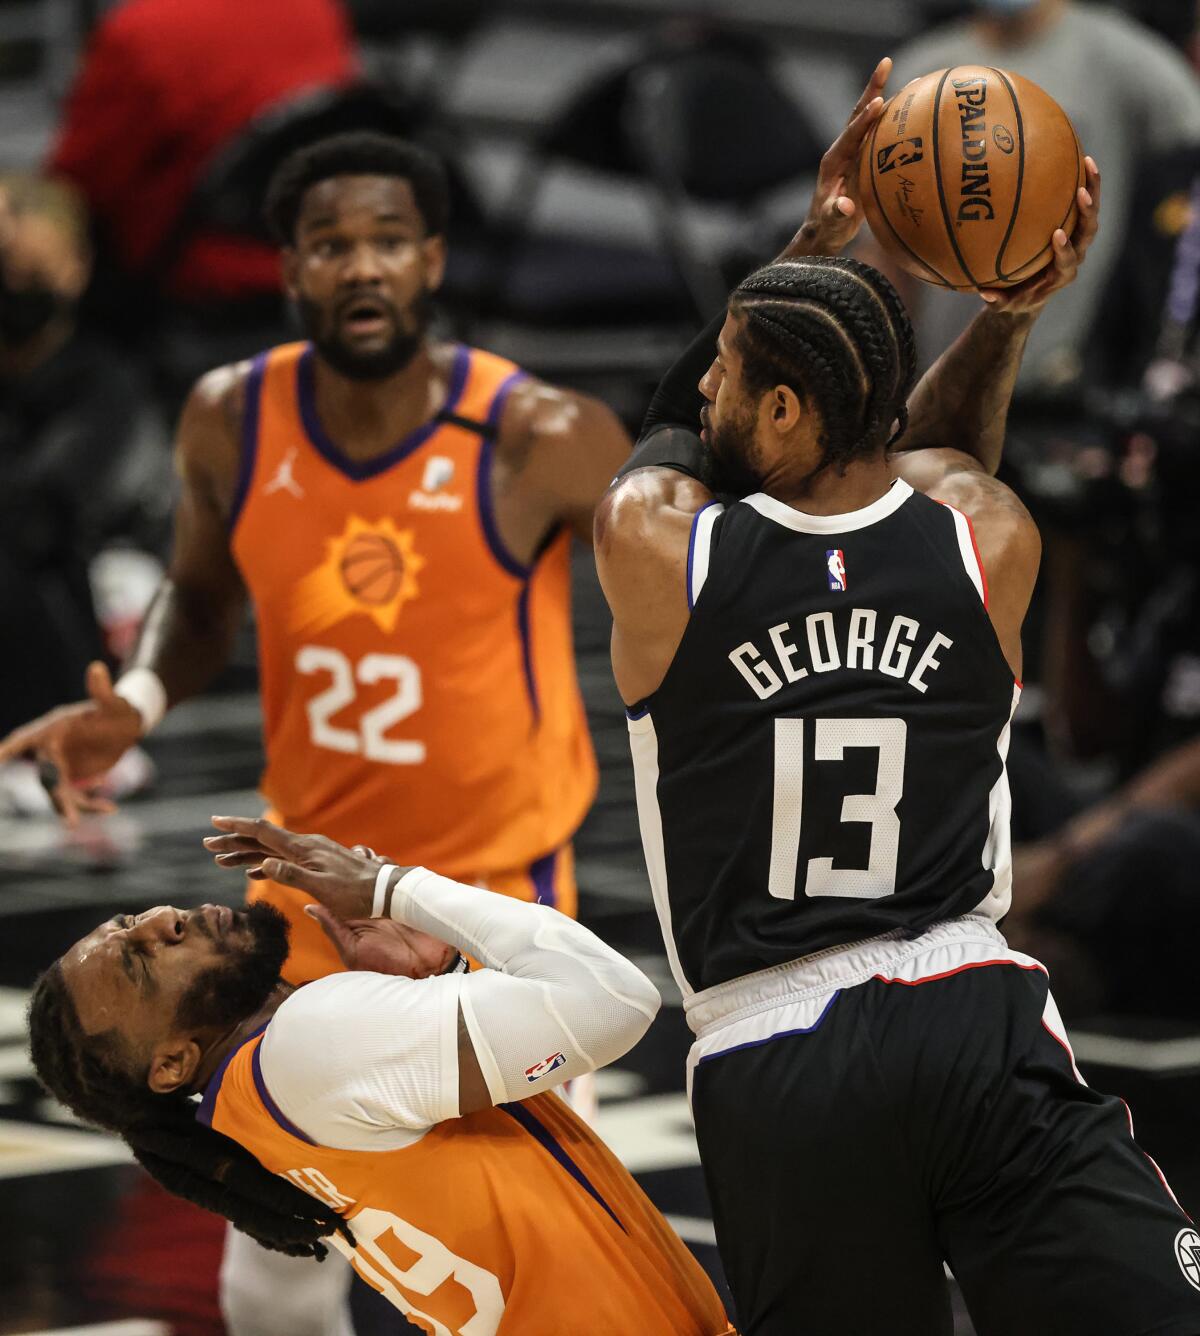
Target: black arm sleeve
x=677, y=401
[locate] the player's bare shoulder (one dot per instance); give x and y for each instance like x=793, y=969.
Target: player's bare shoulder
x=557, y=451
x=542, y=419
x=208, y=440
x=648, y=508
x=1004, y=529
x=535, y=409
x=1005, y=535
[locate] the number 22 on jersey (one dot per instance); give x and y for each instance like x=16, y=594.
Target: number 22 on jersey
x=370, y=738
x=831, y=739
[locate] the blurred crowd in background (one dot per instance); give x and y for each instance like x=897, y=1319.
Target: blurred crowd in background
x=616, y=165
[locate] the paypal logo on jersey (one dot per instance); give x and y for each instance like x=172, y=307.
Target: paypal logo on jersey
x=545, y=1067
x=835, y=563
x=439, y=473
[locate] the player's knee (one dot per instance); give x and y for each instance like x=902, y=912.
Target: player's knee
x=264, y=1293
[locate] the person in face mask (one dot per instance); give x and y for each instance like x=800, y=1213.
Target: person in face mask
x=44, y=267
x=1130, y=95
x=71, y=418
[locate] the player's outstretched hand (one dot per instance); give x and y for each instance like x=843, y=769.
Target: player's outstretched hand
x=1029, y=297
x=836, y=214
x=77, y=743
x=384, y=947
x=341, y=879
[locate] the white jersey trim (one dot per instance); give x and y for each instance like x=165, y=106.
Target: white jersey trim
x=997, y=848
x=802, y=522
x=970, y=557
x=941, y=950
x=643, y=745
x=796, y=997
x=700, y=549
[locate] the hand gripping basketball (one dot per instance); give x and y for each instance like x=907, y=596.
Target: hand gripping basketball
x=836, y=214
x=1029, y=297
x=967, y=174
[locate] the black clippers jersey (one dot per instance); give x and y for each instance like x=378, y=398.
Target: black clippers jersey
x=824, y=761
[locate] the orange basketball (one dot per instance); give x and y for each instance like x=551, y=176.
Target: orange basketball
x=966, y=174
x=372, y=568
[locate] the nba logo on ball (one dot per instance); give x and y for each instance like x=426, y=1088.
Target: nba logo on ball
x=901, y=154
x=835, y=562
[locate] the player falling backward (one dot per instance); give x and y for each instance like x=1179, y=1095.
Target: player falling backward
x=820, y=677
x=411, y=1122
x=399, y=510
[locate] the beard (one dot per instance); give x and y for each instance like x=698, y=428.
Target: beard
x=408, y=332
x=734, y=458
x=235, y=989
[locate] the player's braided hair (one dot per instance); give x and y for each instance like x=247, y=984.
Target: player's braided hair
x=836, y=331
x=93, y=1077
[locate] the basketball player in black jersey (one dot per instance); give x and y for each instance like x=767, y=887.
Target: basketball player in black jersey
x=820, y=678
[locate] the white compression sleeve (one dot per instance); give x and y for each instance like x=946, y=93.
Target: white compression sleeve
x=554, y=1002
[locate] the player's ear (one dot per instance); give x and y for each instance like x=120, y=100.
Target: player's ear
x=290, y=261
x=433, y=261
x=173, y=1064
x=786, y=409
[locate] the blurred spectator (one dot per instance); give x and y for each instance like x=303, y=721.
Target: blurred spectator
x=76, y=467
x=164, y=85
x=1109, y=902
x=1129, y=93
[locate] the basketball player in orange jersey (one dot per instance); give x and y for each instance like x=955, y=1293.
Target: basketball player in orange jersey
x=409, y=1121
x=399, y=511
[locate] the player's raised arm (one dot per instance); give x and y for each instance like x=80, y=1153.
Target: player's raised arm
x=958, y=412
x=957, y=418
x=188, y=632
x=552, y=1003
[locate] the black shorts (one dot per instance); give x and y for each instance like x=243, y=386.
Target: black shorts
x=903, y=1127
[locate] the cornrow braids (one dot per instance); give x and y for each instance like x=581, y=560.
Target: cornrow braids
x=92, y=1076
x=836, y=331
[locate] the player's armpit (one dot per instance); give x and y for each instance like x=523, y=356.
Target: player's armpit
x=642, y=535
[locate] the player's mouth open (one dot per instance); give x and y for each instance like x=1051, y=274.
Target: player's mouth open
x=365, y=317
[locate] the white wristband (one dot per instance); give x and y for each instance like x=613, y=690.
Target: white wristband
x=381, y=885
x=143, y=689
x=400, y=892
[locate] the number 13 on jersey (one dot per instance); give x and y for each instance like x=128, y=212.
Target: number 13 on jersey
x=831, y=739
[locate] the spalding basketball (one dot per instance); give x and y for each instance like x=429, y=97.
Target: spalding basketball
x=372, y=568
x=967, y=173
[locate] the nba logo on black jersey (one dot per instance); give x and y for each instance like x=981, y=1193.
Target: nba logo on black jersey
x=835, y=562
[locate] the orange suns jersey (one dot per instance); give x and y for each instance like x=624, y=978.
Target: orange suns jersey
x=514, y=1219
x=418, y=682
